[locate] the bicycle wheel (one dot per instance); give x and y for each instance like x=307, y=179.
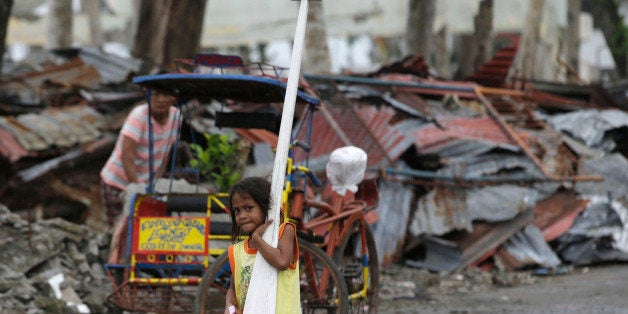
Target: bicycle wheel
x=349, y=258
x=323, y=289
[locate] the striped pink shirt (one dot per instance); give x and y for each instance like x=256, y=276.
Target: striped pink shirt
x=136, y=128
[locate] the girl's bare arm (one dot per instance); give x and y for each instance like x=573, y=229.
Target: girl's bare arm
x=231, y=297
x=283, y=255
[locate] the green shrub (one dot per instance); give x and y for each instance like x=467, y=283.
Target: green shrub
x=218, y=161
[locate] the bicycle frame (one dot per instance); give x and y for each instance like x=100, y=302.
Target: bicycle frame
x=338, y=219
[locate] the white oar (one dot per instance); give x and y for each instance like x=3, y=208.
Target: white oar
x=262, y=294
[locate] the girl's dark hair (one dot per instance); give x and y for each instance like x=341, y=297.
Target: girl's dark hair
x=258, y=189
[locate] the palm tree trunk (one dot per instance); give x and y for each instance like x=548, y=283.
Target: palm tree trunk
x=419, y=27
x=316, y=52
x=59, y=30
x=5, y=12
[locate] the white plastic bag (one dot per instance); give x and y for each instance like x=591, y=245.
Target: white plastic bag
x=345, y=168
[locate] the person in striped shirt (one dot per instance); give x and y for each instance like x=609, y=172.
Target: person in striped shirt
x=129, y=161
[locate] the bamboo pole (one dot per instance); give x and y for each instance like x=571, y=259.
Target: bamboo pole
x=262, y=293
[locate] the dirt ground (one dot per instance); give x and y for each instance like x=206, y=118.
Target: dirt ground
x=594, y=289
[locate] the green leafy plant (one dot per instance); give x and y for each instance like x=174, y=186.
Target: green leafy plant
x=218, y=161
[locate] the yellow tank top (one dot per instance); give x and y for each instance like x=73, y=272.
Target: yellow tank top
x=242, y=259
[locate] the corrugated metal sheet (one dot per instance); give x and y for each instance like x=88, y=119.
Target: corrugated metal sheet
x=72, y=73
x=599, y=234
x=494, y=72
x=394, y=209
x=28, y=139
x=48, y=131
x=372, y=97
x=471, y=164
x=363, y=134
x=11, y=148
x=590, y=125
x=487, y=237
x=335, y=127
x=52, y=85
x=555, y=214
x=430, y=138
x=412, y=64
x=434, y=110
x=443, y=210
x=257, y=135
x=112, y=69
x=74, y=121
x=528, y=247
x=407, y=83
x=52, y=132
x=431, y=87
x=457, y=251
x=614, y=169
x=391, y=139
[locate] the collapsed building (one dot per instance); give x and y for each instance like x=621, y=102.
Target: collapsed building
x=477, y=173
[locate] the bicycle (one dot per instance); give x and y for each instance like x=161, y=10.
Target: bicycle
x=348, y=240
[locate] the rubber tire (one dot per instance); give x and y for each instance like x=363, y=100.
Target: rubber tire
x=346, y=252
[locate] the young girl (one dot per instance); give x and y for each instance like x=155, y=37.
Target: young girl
x=250, y=203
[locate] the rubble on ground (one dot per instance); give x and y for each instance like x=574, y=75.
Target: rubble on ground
x=51, y=266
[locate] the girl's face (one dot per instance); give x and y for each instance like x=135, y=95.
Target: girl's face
x=248, y=214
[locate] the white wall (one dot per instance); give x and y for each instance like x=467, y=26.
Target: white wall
x=248, y=22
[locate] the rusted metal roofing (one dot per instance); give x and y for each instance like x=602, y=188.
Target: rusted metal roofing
x=599, y=234
x=553, y=217
x=50, y=130
x=11, y=148
x=391, y=140
x=412, y=64
x=457, y=251
x=112, y=69
x=443, y=210
x=525, y=248
x=431, y=138
x=476, y=164
x=555, y=214
x=366, y=128
x=430, y=87
x=372, y=97
x=258, y=135
x=429, y=109
x=406, y=83
x=72, y=73
x=494, y=72
x=487, y=237
x=590, y=125
x=51, y=85
x=28, y=139
x=395, y=204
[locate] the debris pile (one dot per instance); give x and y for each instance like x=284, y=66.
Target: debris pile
x=51, y=266
x=58, y=118
x=512, y=176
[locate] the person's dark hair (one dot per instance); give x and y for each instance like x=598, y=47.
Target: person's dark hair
x=256, y=188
